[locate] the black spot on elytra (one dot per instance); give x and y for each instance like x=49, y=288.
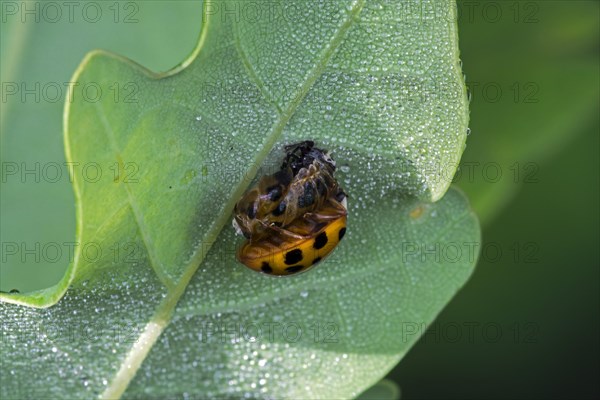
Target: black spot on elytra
x=342, y=233
x=293, y=256
x=316, y=260
x=274, y=192
x=251, y=212
x=320, y=241
x=266, y=268
x=294, y=269
x=280, y=209
x=308, y=196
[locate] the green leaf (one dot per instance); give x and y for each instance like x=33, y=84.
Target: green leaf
x=354, y=317
x=178, y=149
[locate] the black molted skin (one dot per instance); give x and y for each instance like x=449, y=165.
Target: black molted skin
x=303, y=184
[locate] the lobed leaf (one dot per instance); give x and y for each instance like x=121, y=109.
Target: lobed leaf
x=383, y=91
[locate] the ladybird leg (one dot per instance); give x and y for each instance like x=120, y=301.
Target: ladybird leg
x=340, y=205
x=287, y=233
x=321, y=217
x=274, y=229
x=334, y=210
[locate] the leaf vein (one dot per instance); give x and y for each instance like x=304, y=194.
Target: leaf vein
x=252, y=74
x=138, y=215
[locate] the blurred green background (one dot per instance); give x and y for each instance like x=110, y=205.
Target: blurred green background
x=525, y=325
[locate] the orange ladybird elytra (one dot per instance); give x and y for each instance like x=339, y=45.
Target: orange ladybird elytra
x=300, y=246
x=294, y=218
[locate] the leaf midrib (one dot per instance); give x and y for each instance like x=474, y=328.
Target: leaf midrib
x=165, y=309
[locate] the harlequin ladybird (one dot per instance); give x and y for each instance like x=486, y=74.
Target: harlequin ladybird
x=299, y=246
x=303, y=184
